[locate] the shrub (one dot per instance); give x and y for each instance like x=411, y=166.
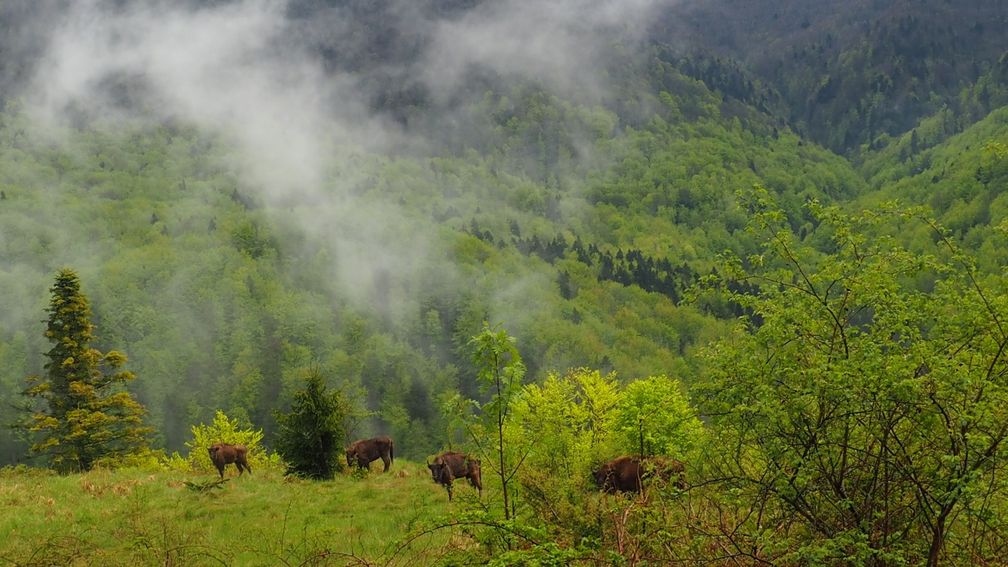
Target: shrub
x=224, y=430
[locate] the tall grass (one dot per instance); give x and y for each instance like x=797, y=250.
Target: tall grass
x=131, y=517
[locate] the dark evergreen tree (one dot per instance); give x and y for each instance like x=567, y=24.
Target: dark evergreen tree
x=311, y=436
x=564, y=281
x=86, y=412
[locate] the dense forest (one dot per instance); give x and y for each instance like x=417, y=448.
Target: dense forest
x=727, y=197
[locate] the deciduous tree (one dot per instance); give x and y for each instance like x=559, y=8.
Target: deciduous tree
x=862, y=414
x=500, y=368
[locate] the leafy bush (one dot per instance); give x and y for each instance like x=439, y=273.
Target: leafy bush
x=145, y=459
x=224, y=430
x=655, y=418
x=176, y=462
x=571, y=420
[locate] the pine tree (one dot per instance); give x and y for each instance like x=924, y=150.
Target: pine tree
x=87, y=414
x=311, y=436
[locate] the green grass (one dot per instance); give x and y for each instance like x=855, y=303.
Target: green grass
x=130, y=517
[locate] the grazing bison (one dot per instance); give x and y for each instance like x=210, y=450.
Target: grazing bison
x=451, y=465
x=626, y=474
x=366, y=450
x=224, y=453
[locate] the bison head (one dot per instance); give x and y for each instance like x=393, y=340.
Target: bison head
x=437, y=470
x=601, y=475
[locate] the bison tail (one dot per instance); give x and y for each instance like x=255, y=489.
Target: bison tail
x=391, y=450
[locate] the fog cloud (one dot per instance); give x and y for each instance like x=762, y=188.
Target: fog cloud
x=288, y=82
x=558, y=43
x=229, y=68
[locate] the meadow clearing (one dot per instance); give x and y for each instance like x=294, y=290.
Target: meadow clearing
x=136, y=517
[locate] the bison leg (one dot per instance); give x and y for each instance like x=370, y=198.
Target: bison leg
x=474, y=480
x=243, y=466
x=220, y=469
x=385, y=459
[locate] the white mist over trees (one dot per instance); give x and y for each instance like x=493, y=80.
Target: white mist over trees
x=291, y=112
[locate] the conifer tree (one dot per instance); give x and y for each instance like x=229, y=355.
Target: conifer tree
x=86, y=413
x=311, y=436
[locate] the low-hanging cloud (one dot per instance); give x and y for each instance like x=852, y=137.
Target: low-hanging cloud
x=559, y=44
x=230, y=68
x=260, y=73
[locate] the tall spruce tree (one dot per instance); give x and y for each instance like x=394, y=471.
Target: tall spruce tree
x=85, y=412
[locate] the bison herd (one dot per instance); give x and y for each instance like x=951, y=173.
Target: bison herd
x=622, y=474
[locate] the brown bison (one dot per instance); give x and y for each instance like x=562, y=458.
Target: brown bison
x=451, y=465
x=364, y=451
x=626, y=474
x=224, y=454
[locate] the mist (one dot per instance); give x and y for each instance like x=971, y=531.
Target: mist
x=256, y=73
x=298, y=92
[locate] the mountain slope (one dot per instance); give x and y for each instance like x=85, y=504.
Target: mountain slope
x=849, y=71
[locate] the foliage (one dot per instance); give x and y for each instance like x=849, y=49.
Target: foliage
x=566, y=422
x=145, y=460
x=861, y=414
x=224, y=430
x=654, y=417
x=86, y=413
x=312, y=435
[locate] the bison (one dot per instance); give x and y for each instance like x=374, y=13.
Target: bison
x=224, y=454
x=626, y=474
x=451, y=465
x=364, y=451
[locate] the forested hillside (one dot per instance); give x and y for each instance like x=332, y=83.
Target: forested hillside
x=251, y=191
x=848, y=74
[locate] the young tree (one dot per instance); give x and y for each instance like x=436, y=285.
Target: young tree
x=500, y=368
x=86, y=412
x=312, y=435
x=861, y=413
x=566, y=422
x=655, y=418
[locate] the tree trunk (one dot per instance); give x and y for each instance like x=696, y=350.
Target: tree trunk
x=938, y=537
x=500, y=449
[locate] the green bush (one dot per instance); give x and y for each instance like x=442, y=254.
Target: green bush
x=150, y=460
x=654, y=417
x=225, y=430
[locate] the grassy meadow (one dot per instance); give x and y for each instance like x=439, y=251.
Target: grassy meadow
x=133, y=517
